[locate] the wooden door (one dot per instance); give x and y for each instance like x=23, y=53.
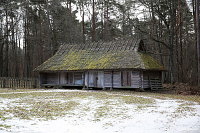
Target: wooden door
x=126, y=78
x=70, y=78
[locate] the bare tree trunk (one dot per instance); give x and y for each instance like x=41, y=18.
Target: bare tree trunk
x=1, y=48
x=93, y=22
x=106, y=21
x=171, y=39
x=159, y=35
x=83, y=23
x=198, y=39
x=7, y=46
x=180, y=39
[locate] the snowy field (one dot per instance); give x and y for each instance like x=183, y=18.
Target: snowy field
x=77, y=111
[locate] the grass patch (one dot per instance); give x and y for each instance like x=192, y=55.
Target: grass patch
x=2, y=126
x=42, y=109
x=2, y=116
x=5, y=90
x=193, y=98
x=183, y=110
x=137, y=100
x=50, y=105
x=101, y=112
x=141, y=107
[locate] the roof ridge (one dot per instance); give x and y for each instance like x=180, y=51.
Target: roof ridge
x=114, y=45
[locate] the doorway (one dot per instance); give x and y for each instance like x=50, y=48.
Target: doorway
x=126, y=78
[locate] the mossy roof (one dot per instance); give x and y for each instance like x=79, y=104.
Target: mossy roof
x=118, y=54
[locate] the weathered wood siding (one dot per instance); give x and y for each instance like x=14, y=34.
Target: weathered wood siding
x=63, y=79
x=146, y=84
x=86, y=79
x=95, y=79
x=101, y=79
x=126, y=78
x=78, y=78
x=49, y=78
x=91, y=79
x=70, y=78
x=135, y=79
x=147, y=75
x=107, y=79
x=117, y=79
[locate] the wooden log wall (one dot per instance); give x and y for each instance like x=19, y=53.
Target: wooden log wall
x=15, y=83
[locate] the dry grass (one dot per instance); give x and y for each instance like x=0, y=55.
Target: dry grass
x=50, y=105
x=192, y=98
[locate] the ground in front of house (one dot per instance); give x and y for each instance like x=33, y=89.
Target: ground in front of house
x=77, y=111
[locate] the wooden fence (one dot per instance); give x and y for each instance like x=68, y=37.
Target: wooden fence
x=9, y=82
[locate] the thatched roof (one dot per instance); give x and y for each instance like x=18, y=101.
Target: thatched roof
x=118, y=54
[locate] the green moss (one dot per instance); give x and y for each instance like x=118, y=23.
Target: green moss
x=91, y=59
x=101, y=62
x=149, y=62
x=76, y=60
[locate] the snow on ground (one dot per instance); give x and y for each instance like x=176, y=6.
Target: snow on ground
x=94, y=114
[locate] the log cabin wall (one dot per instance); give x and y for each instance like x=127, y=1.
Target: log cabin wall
x=78, y=78
x=101, y=79
x=113, y=79
x=126, y=78
x=121, y=79
x=107, y=79
x=135, y=79
x=148, y=75
x=86, y=79
x=91, y=79
x=63, y=79
x=71, y=78
x=49, y=78
x=117, y=79
x=94, y=79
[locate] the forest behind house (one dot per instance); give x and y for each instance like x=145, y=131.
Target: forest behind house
x=31, y=31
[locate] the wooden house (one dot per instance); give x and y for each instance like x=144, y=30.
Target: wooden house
x=116, y=64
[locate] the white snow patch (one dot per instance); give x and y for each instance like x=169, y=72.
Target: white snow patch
x=161, y=117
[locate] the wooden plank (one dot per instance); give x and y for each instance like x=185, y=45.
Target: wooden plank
x=83, y=80
x=88, y=78
x=156, y=84
x=135, y=79
x=95, y=79
x=107, y=79
x=78, y=78
x=100, y=79
x=91, y=79
x=112, y=79
x=117, y=79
